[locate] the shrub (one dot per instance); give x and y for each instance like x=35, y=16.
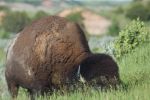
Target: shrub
x=76, y=17
x=119, y=10
x=132, y=36
x=114, y=29
x=4, y=8
x=3, y=34
x=39, y=15
x=138, y=10
x=15, y=21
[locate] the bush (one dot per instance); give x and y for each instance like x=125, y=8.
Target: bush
x=119, y=10
x=132, y=36
x=114, y=29
x=39, y=15
x=4, y=8
x=3, y=34
x=15, y=21
x=138, y=10
x=76, y=17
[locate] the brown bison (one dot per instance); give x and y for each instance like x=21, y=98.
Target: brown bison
x=100, y=70
x=44, y=54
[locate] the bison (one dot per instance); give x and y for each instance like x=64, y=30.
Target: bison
x=44, y=55
x=99, y=70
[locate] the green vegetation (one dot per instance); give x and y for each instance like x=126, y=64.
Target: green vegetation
x=138, y=10
x=132, y=36
x=2, y=55
x=134, y=72
x=4, y=34
x=34, y=2
x=132, y=46
x=15, y=21
x=39, y=15
x=76, y=17
x=114, y=29
x=4, y=8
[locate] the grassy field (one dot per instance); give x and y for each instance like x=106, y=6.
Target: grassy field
x=134, y=72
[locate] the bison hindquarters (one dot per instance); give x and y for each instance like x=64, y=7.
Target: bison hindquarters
x=44, y=54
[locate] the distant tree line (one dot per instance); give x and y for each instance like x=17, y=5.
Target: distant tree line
x=35, y=2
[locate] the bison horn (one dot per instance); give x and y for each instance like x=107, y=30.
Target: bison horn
x=80, y=77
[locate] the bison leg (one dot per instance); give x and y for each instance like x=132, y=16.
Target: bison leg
x=35, y=93
x=32, y=94
x=13, y=89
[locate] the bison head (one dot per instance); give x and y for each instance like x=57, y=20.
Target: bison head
x=99, y=70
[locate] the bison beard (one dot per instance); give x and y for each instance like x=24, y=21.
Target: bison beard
x=44, y=55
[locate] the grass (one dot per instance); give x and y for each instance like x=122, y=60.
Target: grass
x=134, y=72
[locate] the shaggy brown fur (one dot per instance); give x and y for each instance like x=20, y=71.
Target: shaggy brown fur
x=44, y=55
x=101, y=70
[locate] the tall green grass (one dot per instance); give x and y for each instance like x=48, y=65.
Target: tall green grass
x=134, y=72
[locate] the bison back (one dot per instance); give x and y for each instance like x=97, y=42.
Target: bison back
x=46, y=52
